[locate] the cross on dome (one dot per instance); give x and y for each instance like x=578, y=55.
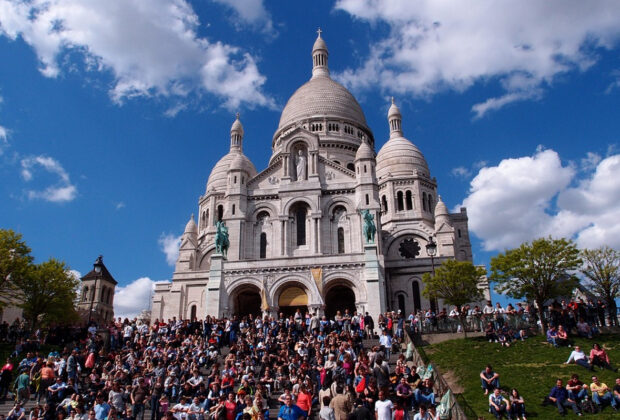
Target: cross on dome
x=319, y=31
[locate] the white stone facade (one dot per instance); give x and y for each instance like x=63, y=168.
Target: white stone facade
x=295, y=228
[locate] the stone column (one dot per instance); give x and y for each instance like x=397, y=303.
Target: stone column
x=215, y=287
x=375, y=282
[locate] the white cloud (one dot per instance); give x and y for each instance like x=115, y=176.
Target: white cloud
x=120, y=205
x=461, y=172
x=251, y=12
x=589, y=162
x=452, y=45
x=61, y=191
x=169, y=245
x=151, y=48
x=529, y=197
x=132, y=299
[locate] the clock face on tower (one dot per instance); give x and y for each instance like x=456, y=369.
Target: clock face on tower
x=409, y=248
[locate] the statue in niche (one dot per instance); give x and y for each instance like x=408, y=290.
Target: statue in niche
x=300, y=165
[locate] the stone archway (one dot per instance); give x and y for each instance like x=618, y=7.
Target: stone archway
x=247, y=300
x=339, y=298
x=290, y=297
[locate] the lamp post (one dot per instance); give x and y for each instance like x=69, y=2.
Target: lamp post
x=97, y=266
x=431, y=250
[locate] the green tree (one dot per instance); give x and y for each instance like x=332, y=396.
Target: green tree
x=48, y=294
x=15, y=261
x=457, y=283
x=601, y=268
x=538, y=271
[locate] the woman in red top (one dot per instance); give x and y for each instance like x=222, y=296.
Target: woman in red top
x=599, y=357
x=231, y=407
x=304, y=399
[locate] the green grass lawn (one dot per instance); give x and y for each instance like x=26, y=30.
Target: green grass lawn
x=531, y=366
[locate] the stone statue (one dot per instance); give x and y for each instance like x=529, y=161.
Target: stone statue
x=300, y=165
x=221, y=239
x=369, y=226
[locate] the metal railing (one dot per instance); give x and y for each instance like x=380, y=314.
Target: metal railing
x=472, y=323
x=439, y=383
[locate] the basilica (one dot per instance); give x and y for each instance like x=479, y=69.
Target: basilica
x=297, y=238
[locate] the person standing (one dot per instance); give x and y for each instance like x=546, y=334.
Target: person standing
x=369, y=325
x=383, y=407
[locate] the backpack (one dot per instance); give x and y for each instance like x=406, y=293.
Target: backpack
x=443, y=409
x=588, y=406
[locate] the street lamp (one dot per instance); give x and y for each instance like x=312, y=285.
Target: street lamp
x=97, y=266
x=431, y=250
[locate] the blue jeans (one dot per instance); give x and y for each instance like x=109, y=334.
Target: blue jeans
x=607, y=398
x=566, y=403
x=427, y=399
x=517, y=410
x=584, y=363
x=577, y=396
x=502, y=410
x=490, y=386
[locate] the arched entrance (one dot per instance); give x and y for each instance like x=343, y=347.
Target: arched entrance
x=247, y=301
x=339, y=298
x=291, y=299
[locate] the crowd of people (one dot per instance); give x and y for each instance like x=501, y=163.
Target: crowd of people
x=226, y=369
x=576, y=318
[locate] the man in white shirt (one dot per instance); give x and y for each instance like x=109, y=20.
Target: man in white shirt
x=181, y=409
x=423, y=414
x=383, y=407
x=386, y=341
x=580, y=358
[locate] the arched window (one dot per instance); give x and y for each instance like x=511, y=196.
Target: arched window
x=341, y=240
x=351, y=167
x=300, y=220
x=85, y=294
x=424, y=201
x=430, y=202
x=408, y=200
x=401, y=303
x=263, y=245
x=193, y=313
x=416, y=296
x=399, y=200
x=384, y=204
x=220, y=213
x=368, y=201
x=233, y=209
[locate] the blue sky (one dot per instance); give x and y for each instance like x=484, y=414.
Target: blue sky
x=113, y=113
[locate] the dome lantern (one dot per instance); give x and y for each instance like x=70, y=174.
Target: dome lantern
x=319, y=57
x=395, y=121
x=236, y=135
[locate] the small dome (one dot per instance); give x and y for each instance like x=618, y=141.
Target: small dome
x=400, y=157
x=441, y=209
x=322, y=97
x=218, y=179
x=364, y=152
x=393, y=111
x=191, y=227
x=319, y=44
x=237, y=127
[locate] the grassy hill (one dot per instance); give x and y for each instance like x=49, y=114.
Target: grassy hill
x=531, y=366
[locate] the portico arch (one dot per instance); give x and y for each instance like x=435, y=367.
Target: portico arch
x=246, y=300
x=290, y=297
x=339, y=296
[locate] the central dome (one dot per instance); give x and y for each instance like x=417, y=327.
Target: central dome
x=322, y=97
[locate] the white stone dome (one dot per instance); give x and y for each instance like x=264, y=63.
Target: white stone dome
x=364, y=152
x=441, y=209
x=241, y=163
x=191, y=227
x=400, y=157
x=322, y=97
x=219, y=175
